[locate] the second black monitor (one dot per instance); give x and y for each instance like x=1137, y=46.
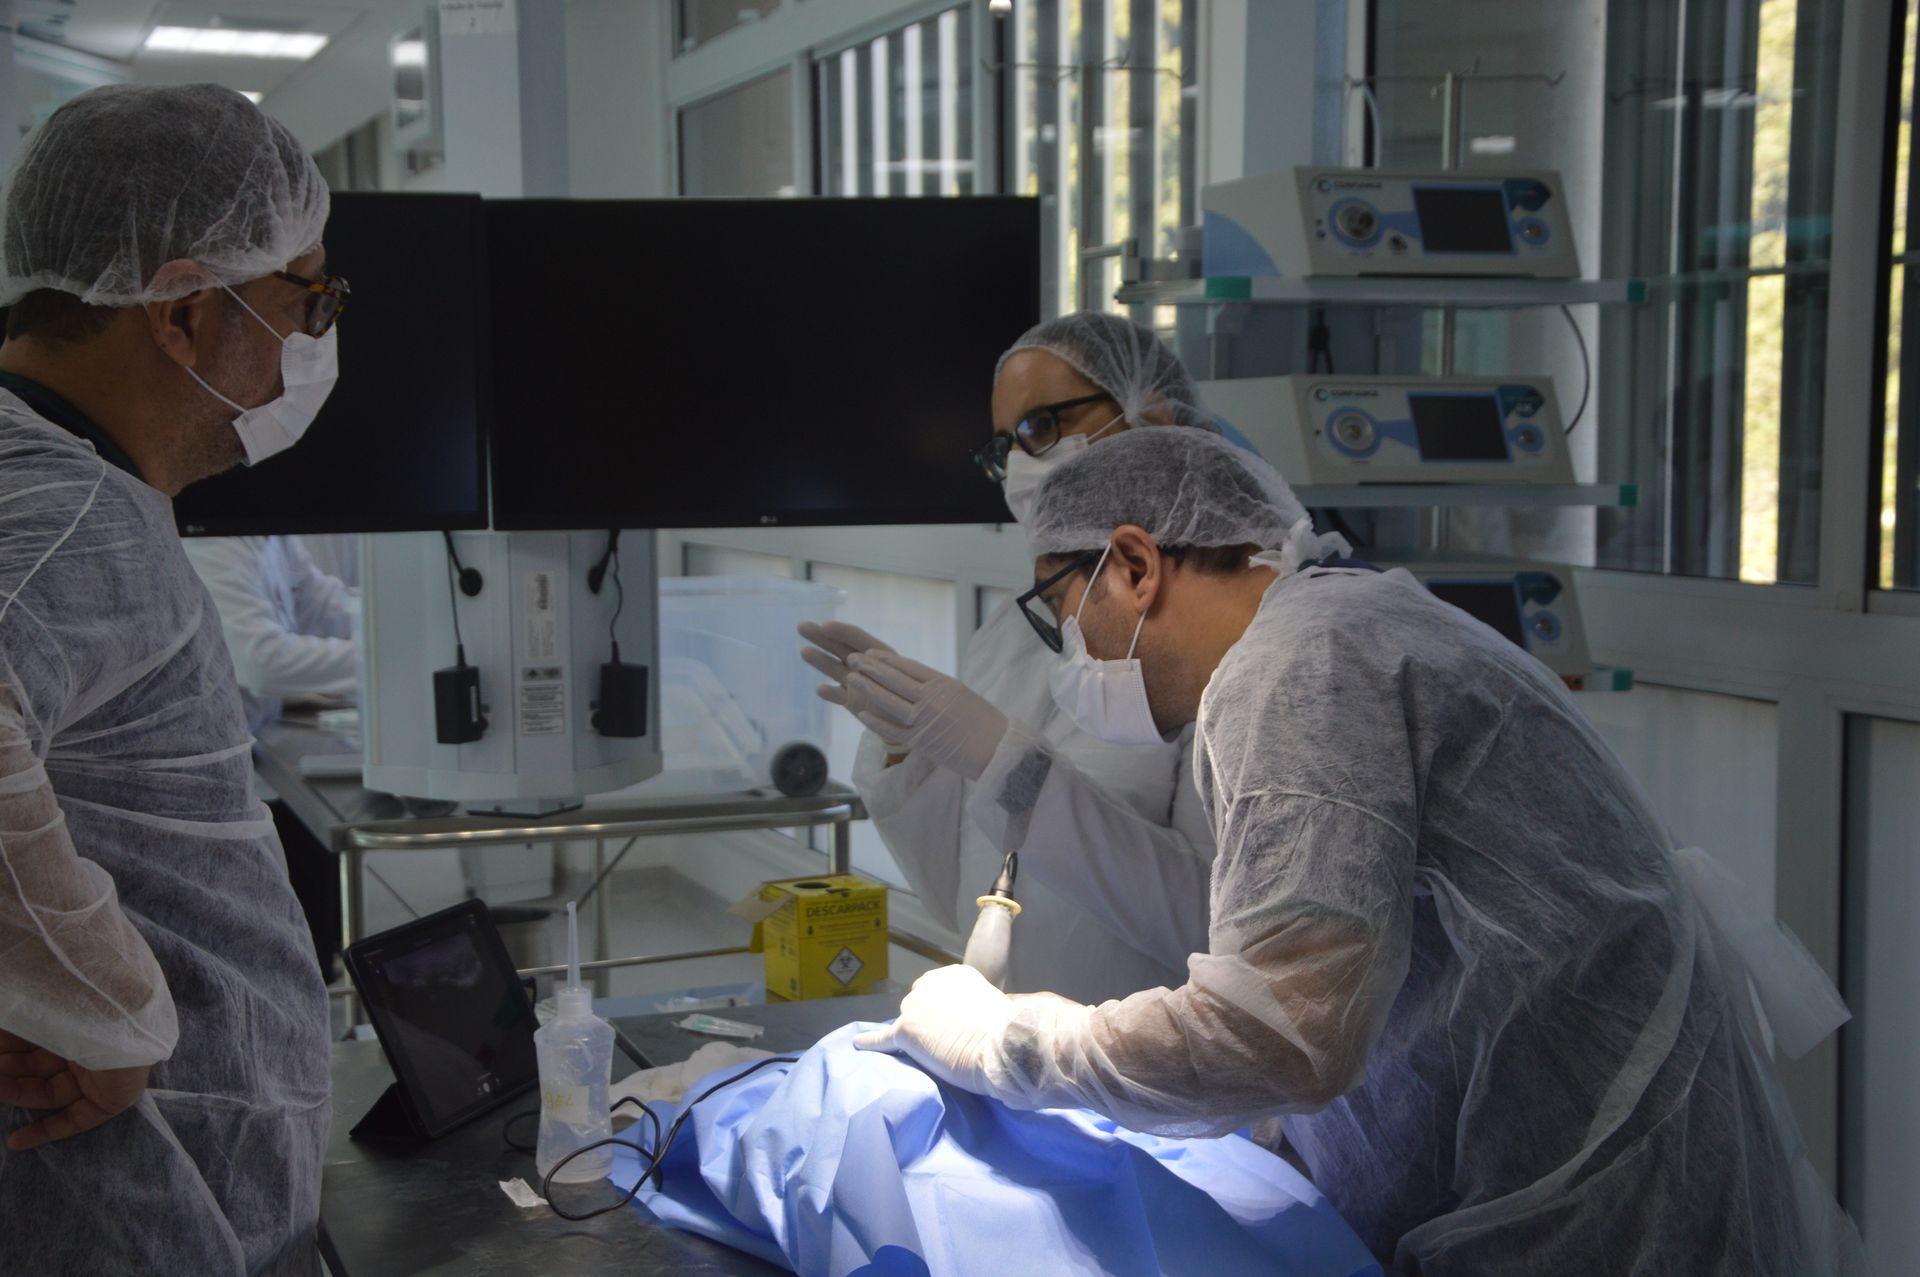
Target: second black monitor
x=400, y=445
x=692, y=363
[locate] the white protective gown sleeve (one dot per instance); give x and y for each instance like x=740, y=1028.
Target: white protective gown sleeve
x=1504, y=1024
x=75, y=977
x=288, y=626
x=112, y=653
x=1113, y=858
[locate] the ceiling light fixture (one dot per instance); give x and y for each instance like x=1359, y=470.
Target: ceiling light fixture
x=233, y=42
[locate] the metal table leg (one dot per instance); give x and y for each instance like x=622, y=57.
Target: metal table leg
x=353, y=888
x=602, y=918
x=840, y=846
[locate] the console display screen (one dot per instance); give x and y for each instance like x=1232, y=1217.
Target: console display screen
x=1492, y=603
x=1458, y=427
x=1456, y=220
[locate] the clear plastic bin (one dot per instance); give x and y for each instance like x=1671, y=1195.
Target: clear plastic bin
x=734, y=692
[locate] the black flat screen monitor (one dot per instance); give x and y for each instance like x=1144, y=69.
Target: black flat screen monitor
x=401, y=444
x=729, y=363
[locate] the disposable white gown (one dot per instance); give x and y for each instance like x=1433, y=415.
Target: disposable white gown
x=1453, y=945
x=288, y=625
x=75, y=977
x=113, y=654
x=1114, y=844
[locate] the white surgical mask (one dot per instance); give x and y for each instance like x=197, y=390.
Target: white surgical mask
x=1106, y=699
x=1025, y=473
x=308, y=368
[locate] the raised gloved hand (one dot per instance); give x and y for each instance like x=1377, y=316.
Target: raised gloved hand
x=912, y=707
x=951, y=1024
x=833, y=643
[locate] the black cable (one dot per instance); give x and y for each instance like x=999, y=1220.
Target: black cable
x=453, y=600
x=1586, y=369
x=1319, y=343
x=644, y=1107
x=619, y=606
x=654, y=1156
x=546, y=1188
x=597, y=577
x=681, y=1120
x=506, y=1132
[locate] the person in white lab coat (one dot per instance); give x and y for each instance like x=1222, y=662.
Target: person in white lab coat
x=289, y=628
x=288, y=625
x=337, y=554
x=1114, y=861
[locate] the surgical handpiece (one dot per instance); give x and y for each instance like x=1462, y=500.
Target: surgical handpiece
x=993, y=931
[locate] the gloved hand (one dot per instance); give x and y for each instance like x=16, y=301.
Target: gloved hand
x=950, y=1024
x=833, y=643
x=912, y=707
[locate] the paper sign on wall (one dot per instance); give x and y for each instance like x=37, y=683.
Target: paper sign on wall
x=479, y=17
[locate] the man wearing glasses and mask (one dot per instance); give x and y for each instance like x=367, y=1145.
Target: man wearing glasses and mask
x=163, y=1027
x=1115, y=855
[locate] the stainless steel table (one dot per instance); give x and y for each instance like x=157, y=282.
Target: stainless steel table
x=791, y=1026
x=352, y=820
x=398, y=1211
x=438, y=1208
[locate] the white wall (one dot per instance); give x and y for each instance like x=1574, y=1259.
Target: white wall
x=1880, y=1173
x=1707, y=762
x=347, y=84
x=618, y=122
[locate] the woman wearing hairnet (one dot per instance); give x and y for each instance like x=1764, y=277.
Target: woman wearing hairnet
x=1114, y=863
x=1508, y=1027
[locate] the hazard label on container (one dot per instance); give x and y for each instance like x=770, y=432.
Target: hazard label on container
x=845, y=966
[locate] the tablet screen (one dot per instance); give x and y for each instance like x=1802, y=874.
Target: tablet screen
x=451, y=1013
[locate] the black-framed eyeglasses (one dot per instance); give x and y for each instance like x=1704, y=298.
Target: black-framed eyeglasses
x=1038, y=614
x=1036, y=432
x=326, y=300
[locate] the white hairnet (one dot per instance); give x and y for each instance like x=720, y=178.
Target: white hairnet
x=1183, y=488
x=124, y=179
x=1127, y=361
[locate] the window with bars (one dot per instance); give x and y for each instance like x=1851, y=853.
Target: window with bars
x=897, y=113
x=1721, y=126
x=1100, y=105
x=1899, y=459
x=1104, y=130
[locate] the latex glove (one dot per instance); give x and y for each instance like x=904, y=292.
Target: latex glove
x=951, y=1025
x=833, y=643
x=912, y=707
x=31, y=1078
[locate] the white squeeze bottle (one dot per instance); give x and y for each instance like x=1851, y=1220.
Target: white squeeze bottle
x=575, y=1050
